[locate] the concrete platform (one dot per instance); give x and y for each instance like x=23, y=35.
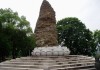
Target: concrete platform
x=69, y=62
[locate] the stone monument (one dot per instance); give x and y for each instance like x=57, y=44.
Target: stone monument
x=46, y=33
x=48, y=55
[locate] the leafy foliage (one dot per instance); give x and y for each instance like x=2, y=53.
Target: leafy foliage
x=97, y=42
x=97, y=36
x=75, y=36
x=15, y=34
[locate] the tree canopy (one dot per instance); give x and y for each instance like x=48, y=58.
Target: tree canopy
x=16, y=36
x=96, y=37
x=75, y=36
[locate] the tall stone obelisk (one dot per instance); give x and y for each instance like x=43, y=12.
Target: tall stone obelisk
x=46, y=34
x=45, y=31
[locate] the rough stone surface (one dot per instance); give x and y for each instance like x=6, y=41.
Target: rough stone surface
x=45, y=31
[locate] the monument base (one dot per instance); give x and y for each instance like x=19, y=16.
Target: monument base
x=51, y=51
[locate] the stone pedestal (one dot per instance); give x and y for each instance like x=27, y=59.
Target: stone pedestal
x=51, y=51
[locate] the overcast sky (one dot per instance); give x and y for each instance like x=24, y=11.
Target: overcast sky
x=88, y=11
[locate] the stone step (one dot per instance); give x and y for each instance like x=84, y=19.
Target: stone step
x=58, y=62
x=56, y=59
x=73, y=59
x=46, y=62
x=49, y=57
x=40, y=63
x=88, y=67
x=72, y=65
x=45, y=58
x=20, y=66
x=27, y=64
x=10, y=68
x=31, y=63
x=81, y=67
x=16, y=68
x=72, y=69
x=53, y=62
x=42, y=66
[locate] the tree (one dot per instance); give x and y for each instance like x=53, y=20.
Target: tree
x=16, y=30
x=96, y=37
x=4, y=46
x=75, y=36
